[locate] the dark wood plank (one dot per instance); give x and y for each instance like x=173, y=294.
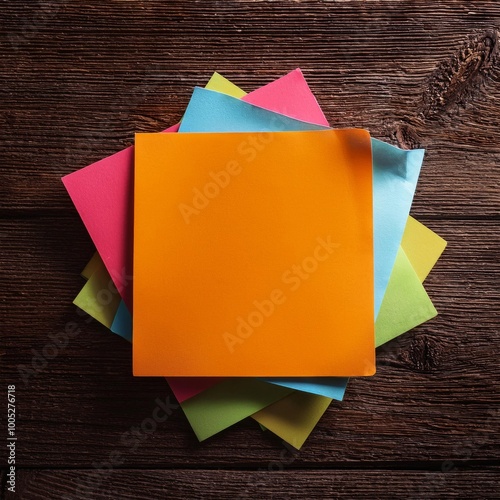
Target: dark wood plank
x=441, y=379
x=392, y=69
x=79, y=78
x=148, y=484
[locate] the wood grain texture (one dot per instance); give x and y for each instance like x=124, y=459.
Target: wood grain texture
x=83, y=81
x=79, y=78
x=147, y=484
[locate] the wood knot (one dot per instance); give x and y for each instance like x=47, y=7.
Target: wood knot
x=424, y=354
x=406, y=135
x=456, y=79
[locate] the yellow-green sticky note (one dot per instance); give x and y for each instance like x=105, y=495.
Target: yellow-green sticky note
x=422, y=246
x=92, y=266
x=405, y=305
x=220, y=84
x=99, y=297
x=293, y=417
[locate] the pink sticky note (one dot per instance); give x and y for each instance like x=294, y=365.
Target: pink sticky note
x=103, y=195
x=102, y=191
x=187, y=387
x=291, y=96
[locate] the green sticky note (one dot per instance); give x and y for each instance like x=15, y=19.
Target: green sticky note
x=229, y=402
x=405, y=304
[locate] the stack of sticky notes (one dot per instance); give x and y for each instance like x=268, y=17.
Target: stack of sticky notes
x=255, y=256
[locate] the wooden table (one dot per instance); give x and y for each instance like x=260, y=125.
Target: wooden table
x=79, y=78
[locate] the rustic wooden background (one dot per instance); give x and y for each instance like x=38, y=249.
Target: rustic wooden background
x=79, y=78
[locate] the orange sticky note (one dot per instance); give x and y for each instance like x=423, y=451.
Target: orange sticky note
x=253, y=254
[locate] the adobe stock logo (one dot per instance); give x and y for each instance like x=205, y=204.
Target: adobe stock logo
x=219, y=180
x=247, y=150
x=293, y=279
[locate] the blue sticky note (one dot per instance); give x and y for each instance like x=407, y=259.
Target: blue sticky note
x=395, y=174
x=395, y=171
x=122, y=323
x=210, y=111
x=331, y=387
